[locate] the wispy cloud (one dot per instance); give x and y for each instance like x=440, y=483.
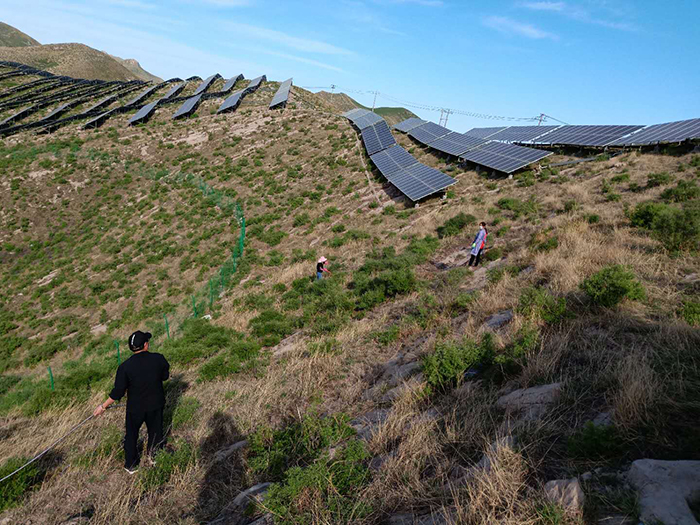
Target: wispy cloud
x=513, y=27
x=365, y=18
x=286, y=40
x=223, y=3
x=296, y=58
x=581, y=14
x=131, y=4
x=426, y=3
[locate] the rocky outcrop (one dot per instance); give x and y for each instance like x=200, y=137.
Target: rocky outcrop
x=665, y=490
x=530, y=403
x=567, y=493
x=235, y=513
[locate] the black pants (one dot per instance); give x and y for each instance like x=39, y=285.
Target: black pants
x=154, y=424
x=477, y=257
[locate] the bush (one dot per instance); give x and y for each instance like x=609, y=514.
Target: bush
x=676, y=228
x=611, y=285
x=328, y=491
x=684, y=191
x=450, y=360
x=455, y=225
x=237, y=357
x=493, y=254
x=200, y=339
x=547, y=245
x=185, y=412
x=271, y=327
x=595, y=442
x=273, y=452
x=168, y=464
x=540, y=303
x=528, y=208
x=658, y=179
x=691, y=312
x=13, y=490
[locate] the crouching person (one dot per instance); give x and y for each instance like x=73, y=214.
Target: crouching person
x=141, y=378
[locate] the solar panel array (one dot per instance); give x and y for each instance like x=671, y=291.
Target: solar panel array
x=232, y=102
x=486, y=152
x=377, y=137
x=408, y=124
x=174, y=91
x=188, y=107
x=17, y=116
x=255, y=84
x=228, y=85
x=678, y=131
x=504, y=157
x=142, y=96
x=584, y=135
x=282, y=94
x=206, y=84
x=400, y=168
x=143, y=114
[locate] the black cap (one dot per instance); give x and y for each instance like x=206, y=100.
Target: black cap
x=138, y=340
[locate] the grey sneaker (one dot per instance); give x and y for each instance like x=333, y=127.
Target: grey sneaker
x=132, y=471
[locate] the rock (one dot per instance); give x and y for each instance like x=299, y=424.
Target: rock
x=498, y=320
x=235, y=512
x=531, y=402
x=267, y=519
x=604, y=419
x=565, y=492
x=225, y=453
x=396, y=392
x=366, y=424
x=587, y=476
x=665, y=487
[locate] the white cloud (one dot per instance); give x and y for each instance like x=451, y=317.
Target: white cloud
x=576, y=12
x=363, y=18
x=513, y=27
x=295, y=58
x=131, y=4
x=284, y=39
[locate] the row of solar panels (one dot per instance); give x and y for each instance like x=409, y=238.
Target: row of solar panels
x=77, y=91
x=483, y=151
x=399, y=167
x=282, y=95
x=594, y=136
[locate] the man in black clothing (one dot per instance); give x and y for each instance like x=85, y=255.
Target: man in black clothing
x=142, y=376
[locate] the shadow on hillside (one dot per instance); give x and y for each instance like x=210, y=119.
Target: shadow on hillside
x=225, y=477
x=174, y=389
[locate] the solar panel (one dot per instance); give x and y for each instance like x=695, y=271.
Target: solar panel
x=392, y=160
x=18, y=116
x=456, y=143
x=142, y=96
x=369, y=119
x=255, y=84
x=377, y=137
x=232, y=102
x=483, y=133
x=206, y=84
x=188, y=107
x=512, y=133
x=428, y=132
x=504, y=157
x=174, y=91
x=282, y=94
x=430, y=176
x=99, y=120
x=60, y=110
x=143, y=114
x=408, y=124
x=228, y=85
x=102, y=103
x=659, y=133
x=410, y=186
x=354, y=112
x=585, y=135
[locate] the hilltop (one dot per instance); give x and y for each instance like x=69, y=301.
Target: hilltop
x=75, y=60
x=406, y=388
x=136, y=69
x=11, y=37
x=342, y=103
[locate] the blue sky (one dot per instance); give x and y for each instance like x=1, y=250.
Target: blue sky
x=581, y=61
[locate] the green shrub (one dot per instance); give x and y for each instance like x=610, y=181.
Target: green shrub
x=455, y=225
x=622, y=177
x=595, y=442
x=447, y=364
x=611, y=285
x=493, y=254
x=386, y=337
x=271, y=327
x=691, y=312
x=677, y=229
x=684, y=191
x=200, y=339
x=571, y=206
x=328, y=491
x=273, y=452
x=529, y=208
x=12, y=490
x=167, y=465
x=238, y=356
x=547, y=245
x=463, y=301
x=593, y=218
x=540, y=303
x=185, y=412
x=658, y=179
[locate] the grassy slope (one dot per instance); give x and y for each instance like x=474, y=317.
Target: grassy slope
x=342, y=102
x=11, y=37
x=76, y=60
x=302, y=172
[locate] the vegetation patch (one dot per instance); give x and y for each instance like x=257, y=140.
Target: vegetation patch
x=13, y=490
x=611, y=285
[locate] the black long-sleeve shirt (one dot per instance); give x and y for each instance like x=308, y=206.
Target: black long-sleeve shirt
x=142, y=375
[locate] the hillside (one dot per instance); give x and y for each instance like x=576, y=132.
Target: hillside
x=75, y=60
x=11, y=37
x=136, y=69
x=404, y=388
x=342, y=103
